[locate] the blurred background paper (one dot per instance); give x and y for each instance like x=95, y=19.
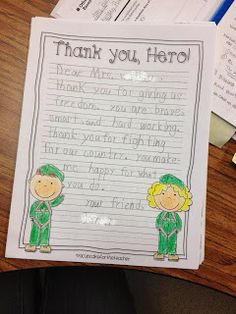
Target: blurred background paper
x=137, y=10
x=224, y=90
x=220, y=131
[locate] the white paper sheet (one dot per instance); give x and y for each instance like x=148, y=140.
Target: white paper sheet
x=137, y=10
x=114, y=109
x=224, y=102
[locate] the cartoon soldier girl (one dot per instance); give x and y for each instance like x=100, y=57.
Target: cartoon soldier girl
x=46, y=186
x=170, y=195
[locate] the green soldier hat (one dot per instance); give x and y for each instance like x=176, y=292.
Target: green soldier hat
x=170, y=179
x=48, y=170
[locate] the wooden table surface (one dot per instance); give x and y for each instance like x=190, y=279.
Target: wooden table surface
x=219, y=268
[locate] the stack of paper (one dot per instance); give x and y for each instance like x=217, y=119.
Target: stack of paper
x=113, y=146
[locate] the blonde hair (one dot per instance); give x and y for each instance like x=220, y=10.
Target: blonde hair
x=157, y=189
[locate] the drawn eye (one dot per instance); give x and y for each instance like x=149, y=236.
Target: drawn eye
x=163, y=193
x=51, y=183
x=175, y=194
x=39, y=181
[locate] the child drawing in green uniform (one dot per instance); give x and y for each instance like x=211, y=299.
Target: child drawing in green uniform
x=46, y=186
x=170, y=195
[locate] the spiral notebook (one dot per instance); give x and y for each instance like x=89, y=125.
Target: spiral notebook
x=113, y=146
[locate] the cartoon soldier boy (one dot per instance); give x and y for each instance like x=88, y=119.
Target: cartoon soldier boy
x=46, y=186
x=170, y=195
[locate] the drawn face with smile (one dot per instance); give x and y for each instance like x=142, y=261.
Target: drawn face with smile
x=45, y=188
x=169, y=200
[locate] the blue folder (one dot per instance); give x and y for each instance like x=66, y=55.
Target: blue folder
x=220, y=12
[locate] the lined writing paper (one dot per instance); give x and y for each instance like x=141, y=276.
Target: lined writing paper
x=111, y=149
x=114, y=112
